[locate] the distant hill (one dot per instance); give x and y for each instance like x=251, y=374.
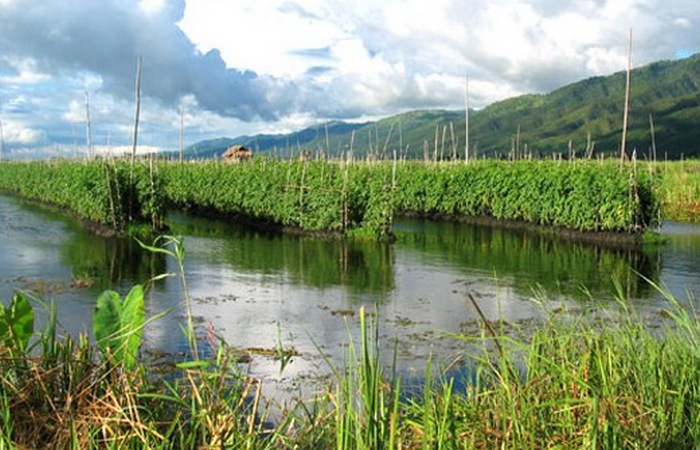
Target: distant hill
x=586, y=113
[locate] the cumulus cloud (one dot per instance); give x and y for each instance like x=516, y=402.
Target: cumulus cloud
x=107, y=38
x=249, y=66
x=14, y=131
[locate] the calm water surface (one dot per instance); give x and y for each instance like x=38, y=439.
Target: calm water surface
x=255, y=289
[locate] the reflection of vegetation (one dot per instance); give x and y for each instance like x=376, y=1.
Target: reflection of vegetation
x=531, y=258
x=104, y=262
x=360, y=265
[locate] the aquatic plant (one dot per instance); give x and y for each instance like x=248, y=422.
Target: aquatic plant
x=679, y=191
x=584, y=195
x=118, y=325
x=115, y=194
x=346, y=197
x=16, y=324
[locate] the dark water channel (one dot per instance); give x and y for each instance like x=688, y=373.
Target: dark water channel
x=256, y=289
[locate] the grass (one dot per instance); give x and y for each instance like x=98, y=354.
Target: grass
x=680, y=191
x=575, y=382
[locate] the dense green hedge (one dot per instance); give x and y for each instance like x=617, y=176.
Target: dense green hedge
x=346, y=198
x=308, y=195
x=585, y=196
x=116, y=194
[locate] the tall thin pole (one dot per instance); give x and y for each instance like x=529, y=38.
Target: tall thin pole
x=88, y=132
x=466, y=119
x=653, y=138
x=182, y=131
x=625, y=117
x=138, y=107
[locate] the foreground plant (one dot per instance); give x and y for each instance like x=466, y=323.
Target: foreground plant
x=118, y=325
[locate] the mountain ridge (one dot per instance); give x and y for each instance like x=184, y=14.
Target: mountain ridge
x=584, y=116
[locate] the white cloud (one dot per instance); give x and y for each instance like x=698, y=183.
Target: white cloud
x=14, y=132
x=249, y=66
x=266, y=37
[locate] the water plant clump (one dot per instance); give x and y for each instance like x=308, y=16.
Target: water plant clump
x=679, y=193
x=585, y=196
x=343, y=197
x=310, y=196
x=113, y=194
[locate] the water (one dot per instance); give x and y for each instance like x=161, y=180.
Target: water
x=256, y=290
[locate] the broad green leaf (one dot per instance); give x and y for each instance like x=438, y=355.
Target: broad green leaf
x=21, y=321
x=132, y=320
x=106, y=322
x=17, y=323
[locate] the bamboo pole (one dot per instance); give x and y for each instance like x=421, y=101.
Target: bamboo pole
x=182, y=132
x=466, y=119
x=437, y=134
x=88, y=132
x=386, y=141
x=625, y=116
x=138, y=107
x=442, y=143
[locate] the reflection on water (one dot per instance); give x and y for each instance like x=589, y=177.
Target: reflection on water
x=361, y=266
x=256, y=288
x=108, y=262
x=528, y=259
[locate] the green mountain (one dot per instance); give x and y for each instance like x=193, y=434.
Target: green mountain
x=586, y=115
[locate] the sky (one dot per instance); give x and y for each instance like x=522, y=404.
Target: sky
x=213, y=68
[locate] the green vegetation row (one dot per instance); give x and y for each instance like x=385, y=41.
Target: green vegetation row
x=320, y=195
x=680, y=192
x=315, y=196
x=346, y=198
x=115, y=194
x=584, y=195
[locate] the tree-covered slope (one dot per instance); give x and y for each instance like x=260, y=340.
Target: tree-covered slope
x=586, y=114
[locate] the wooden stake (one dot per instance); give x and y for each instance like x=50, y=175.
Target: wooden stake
x=454, y=142
x=437, y=133
x=625, y=117
x=466, y=119
x=87, y=125
x=138, y=107
x=182, y=132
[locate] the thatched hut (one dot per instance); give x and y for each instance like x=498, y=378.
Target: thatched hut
x=237, y=153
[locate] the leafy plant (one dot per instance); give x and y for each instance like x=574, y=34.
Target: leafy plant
x=118, y=325
x=16, y=324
